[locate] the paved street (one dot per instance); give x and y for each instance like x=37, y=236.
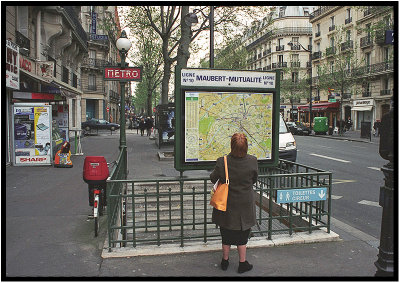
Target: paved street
x=48, y=233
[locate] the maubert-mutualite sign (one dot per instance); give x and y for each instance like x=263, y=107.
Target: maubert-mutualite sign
x=123, y=74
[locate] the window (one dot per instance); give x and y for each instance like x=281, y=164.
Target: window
x=74, y=80
x=332, y=21
x=280, y=59
x=348, y=35
x=92, y=82
x=22, y=16
x=332, y=42
x=65, y=75
x=306, y=12
x=368, y=61
x=332, y=67
x=282, y=11
x=295, y=77
x=318, y=28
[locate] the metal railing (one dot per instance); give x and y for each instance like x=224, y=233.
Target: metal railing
x=176, y=210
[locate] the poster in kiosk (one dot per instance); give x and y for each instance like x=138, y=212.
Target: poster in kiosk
x=32, y=137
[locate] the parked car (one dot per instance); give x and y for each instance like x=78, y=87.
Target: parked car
x=287, y=143
x=99, y=124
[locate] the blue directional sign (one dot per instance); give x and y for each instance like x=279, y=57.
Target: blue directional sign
x=389, y=37
x=301, y=195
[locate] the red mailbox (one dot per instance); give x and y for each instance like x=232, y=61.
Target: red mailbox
x=95, y=170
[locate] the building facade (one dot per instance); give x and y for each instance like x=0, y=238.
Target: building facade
x=308, y=41
x=282, y=41
x=100, y=98
x=45, y=47
x=338, y=29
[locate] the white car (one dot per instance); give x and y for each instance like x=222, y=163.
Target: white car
x=287, y=143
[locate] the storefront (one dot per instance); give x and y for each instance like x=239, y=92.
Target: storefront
x=363, y=112
x=37, y=87
x=320, y=109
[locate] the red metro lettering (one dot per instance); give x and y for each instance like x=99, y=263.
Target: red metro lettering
x=33, y=159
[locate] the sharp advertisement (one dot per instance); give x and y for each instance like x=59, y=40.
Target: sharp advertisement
x=32, y=137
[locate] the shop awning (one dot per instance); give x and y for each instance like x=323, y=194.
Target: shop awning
x=66, y=90
x=362, y=108
x=318, y=107
x=37, y=78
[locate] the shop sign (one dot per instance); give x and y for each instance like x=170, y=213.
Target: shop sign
x=227, y=78
x=94, y=18
x=45, y=69
x=365, y=102
x=32, y=134
x=12, y=68
x=123, y=74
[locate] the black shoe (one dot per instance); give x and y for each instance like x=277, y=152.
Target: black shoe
x=224, y=264
x=244, y=266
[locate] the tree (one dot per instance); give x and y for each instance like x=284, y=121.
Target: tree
x=295, y=87
x=149, y=57
x=341, y=67
x=233, y=55
x=174, y=40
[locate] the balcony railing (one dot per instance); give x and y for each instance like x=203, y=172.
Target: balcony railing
x=114, y=96
x=346, y=45
x=366, y=41
x=366, y=94
x=269, y=67
x=295, y=64
x=330, y=51
x=268, y=51
x=317, y=34
x=280, y=48
x=321, y=11
x=386, y=92
x=69, y=10
x=347, y=21
x=279, y=65
x=316, y=55
x=96, y=63
x=295, y=47
x=332, y=27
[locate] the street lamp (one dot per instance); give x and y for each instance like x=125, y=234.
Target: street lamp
x=123, y=45
x=299, y=44
x=191, y=19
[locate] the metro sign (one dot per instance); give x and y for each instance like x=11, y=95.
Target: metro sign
x=123, y=74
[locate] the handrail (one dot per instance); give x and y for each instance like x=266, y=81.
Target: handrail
x=175, y=209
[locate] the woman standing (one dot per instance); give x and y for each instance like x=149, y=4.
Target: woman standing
x=240, y=215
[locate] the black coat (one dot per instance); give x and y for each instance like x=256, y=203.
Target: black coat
x=241, y=211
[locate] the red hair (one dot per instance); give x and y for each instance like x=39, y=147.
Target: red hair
x=239, y=145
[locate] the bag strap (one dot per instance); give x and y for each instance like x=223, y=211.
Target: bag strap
x=226, y=170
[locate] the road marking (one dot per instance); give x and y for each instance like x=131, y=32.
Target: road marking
x=375, y=168
x=336, y=197
x=338, y=181
x=371, y=203
x=327, y=157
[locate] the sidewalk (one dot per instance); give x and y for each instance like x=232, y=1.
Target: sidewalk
x=350, y=136
x=48, y=234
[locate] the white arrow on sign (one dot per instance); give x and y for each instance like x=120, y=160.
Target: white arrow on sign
x=321, y=194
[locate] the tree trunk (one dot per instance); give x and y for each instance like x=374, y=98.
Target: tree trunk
x=186, y=34
x=165, y=82
x=149, y=104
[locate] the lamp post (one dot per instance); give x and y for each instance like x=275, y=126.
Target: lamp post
x=299, y=44
x=385, y=263
x=191, y=19
x=123, y=45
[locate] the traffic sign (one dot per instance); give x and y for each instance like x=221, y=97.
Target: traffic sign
x=123, y=74
x=301, y=195
x=108, y=109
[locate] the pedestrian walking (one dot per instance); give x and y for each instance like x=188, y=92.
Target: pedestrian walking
x=142, y=126
x=240, y=215
x=149, y=125
x=349, y=123
x=377, y=125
